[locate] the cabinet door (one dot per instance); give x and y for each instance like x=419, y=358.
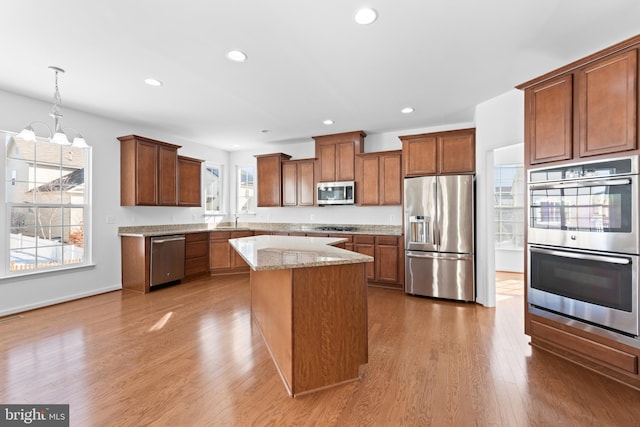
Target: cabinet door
x=607, y=101
x=146, y=167
x=306, y=183
x=289, y=184
x=327, y=162
x=345, y=161
x=167, y=176
x=236, y=260
x=387, y=253
x=420, y=156
x=270, y=180
x=391, y=179
x=366, y=245
x=457, y=152
x=219, y=250
x=548, y=120
x=189, y=182
x=369, y=182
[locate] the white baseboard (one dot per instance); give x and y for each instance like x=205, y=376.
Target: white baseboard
x=65, y=298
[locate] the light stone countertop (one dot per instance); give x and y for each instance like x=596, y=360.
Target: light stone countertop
x=161, y=230
x=284, y=252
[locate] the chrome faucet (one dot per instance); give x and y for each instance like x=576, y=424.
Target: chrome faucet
x=235, y=223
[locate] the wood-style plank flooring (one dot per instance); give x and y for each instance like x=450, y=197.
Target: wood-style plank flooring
x=188, y=355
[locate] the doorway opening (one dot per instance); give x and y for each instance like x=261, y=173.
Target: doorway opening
x=509, y=191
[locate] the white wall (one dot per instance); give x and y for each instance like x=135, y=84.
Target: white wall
x=20, y=294
x=499, y=123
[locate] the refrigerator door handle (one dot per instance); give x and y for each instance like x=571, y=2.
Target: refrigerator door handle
x=436, y=223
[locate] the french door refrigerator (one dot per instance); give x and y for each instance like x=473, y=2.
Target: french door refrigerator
x=439, y=236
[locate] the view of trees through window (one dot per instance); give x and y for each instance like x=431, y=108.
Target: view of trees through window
x=47, y=204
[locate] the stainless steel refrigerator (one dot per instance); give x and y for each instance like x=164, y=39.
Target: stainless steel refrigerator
x=439, y=236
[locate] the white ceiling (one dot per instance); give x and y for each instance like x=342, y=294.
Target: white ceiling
x=307, y=61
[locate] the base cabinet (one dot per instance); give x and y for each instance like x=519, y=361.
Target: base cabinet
x=196, y=254
x=387, y=268
x=612, y=359
x=222, y=258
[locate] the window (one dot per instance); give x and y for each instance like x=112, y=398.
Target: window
x=245, y=190
x=508, y=184
x=212, y=189
x=47, y=201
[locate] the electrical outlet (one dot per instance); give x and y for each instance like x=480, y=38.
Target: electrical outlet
x=392, y=218
x=110, y=219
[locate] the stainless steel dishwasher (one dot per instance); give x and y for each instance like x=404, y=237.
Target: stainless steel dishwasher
x=167, y=259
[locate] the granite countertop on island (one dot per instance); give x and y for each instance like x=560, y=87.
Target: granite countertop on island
x=284, y=252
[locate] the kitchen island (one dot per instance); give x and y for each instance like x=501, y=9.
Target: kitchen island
x=309, y=301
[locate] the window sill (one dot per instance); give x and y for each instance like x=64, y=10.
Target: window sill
x=50, y=272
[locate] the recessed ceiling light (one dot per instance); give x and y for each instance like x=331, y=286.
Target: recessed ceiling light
x=366, y=16
x=237, y=56
x=153, y=82
x=236, y=145
x=407, y=110
x=328, y=122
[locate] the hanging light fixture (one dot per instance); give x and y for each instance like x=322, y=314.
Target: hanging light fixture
x=59, y=135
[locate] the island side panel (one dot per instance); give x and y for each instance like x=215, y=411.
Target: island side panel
x=271, y=311
x=330, y=339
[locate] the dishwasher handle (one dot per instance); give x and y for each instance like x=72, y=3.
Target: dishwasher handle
x=167, y=239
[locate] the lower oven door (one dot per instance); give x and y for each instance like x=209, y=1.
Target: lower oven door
x=600, y=288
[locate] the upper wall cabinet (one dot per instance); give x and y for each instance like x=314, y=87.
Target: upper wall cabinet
x=450, y=152
x=587, y=108
x=336, y=156
x=379, y=176
x=298, y=182
x=189, y=181
x=269, y=174
x=149, y=172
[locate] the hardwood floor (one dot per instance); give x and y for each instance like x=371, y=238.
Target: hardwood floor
x=188, y=355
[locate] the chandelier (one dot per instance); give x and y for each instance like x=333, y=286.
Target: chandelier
x=58, y=136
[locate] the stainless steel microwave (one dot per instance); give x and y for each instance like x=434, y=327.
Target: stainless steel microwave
x=336, y=193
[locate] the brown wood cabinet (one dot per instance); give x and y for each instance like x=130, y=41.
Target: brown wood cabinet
x=196, y=254
x=588, y=108
x=607, y=105
x=387, y=268
x=364, y=244
x=189, y=181
x=148, y=171
x=336, y=156
x=151, y=172
x=222, y=258
x=379, y=177
x=298, y=187
x=269, y=182
x=449, y=152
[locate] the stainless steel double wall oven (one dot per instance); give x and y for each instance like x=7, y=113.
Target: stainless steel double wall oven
x=584, y=245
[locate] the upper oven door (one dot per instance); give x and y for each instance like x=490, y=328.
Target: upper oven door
x=591, y=213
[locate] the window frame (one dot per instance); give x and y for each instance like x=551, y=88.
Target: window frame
x=220, y=167
x=251, y=210
x=86, y=207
